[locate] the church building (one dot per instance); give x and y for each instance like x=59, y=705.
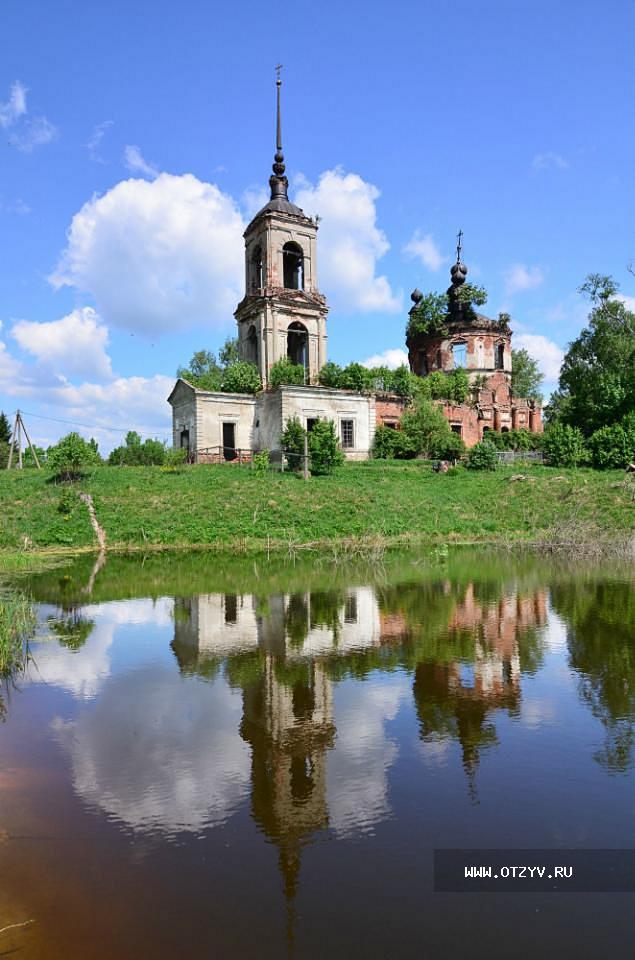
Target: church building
x=283, y=315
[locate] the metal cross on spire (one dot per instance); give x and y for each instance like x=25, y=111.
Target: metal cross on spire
x=459, y=237
x=278, y=124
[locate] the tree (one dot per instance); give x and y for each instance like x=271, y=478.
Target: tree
x=526, y=377
x=563, y=445
x=5, y=429
x=292, y=441
x=285, y=371
x=241, y=377
x=70, y=456
x=614, y=446
x=427, y=429
x=229, y=353
x=597, y=380
x=355, y=377
x=203, y=371
x=135, y=453
x=331, y=375
x=324, y=448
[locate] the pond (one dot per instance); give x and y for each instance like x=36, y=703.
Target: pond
x=237, y=759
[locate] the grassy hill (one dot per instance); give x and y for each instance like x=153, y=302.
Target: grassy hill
x=386, y=502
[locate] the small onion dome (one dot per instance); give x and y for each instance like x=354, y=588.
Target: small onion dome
x=416, y=296
x=458, y=274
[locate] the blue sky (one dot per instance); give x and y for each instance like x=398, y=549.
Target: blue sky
x=137, y=138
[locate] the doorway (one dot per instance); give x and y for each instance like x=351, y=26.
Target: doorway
x=229, y=441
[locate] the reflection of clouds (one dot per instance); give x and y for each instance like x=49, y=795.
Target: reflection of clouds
x=80, y=672
x=155, y=612
x=434, y=750
x=556, y=632
x=536, y=713
x=160, y=753
x=357, y=786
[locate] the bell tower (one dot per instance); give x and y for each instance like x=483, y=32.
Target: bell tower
x=282, y=315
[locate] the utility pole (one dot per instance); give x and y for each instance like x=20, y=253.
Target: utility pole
x=305, y=458
x=18, y=430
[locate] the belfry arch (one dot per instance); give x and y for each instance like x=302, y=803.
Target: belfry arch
x=298, y=344
x=293, y=266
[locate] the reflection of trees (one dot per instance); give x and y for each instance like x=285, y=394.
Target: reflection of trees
x=73, y=630
x=601, y=641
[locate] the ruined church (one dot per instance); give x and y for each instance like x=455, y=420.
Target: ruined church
x=283, y=315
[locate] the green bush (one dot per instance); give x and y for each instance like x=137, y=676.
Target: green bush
x=450, y=447
x=563, y=445
x=614, y=446
x=355, y=377
x=284, y=371
x=71, y=456
x=260, y=462
x=384, y=442
x=427, y=428
x=324, y=448
x=331, y=375
x=484, y=456
x=292, y=442
x=4, y=454
x=175, y=459
x=68, y=501
x=241, y=377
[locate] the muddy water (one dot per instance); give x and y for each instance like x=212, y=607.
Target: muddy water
x=239, y=760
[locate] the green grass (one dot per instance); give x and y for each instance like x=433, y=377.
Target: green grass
x=229, y=507
x=16, y=626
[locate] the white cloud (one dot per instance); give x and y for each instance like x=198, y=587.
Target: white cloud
x=391, y=358
x=28, y=134
x=548, y=354
x=629, y=302
x=34, y=133
x=519, y=277
x=15, y=106
x=253, y=200
x=549, y=160
x=133, y=160
x=426, y=250
x=10, y=368
x=101, y=410
x=98, y=134
x=76, y=344
x=158, y=256
x=350, y=241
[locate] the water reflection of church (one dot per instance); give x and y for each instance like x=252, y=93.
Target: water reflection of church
x=287, y=651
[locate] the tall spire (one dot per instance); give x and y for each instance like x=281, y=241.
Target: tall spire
x=458, y=271
x=277, y=181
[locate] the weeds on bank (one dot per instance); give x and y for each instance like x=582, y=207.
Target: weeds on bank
x=17, y=623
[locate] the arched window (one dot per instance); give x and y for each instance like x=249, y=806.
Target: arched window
x=499, y=356
x=255, y=269
x=293, y=266
x=298, y=344
x=251, y=345
x=459, y=354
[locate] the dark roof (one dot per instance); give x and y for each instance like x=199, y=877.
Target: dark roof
x=281, y=205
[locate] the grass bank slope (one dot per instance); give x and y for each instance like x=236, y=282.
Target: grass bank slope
x=231, y=507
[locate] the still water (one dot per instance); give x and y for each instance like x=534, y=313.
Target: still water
x=216, y=759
